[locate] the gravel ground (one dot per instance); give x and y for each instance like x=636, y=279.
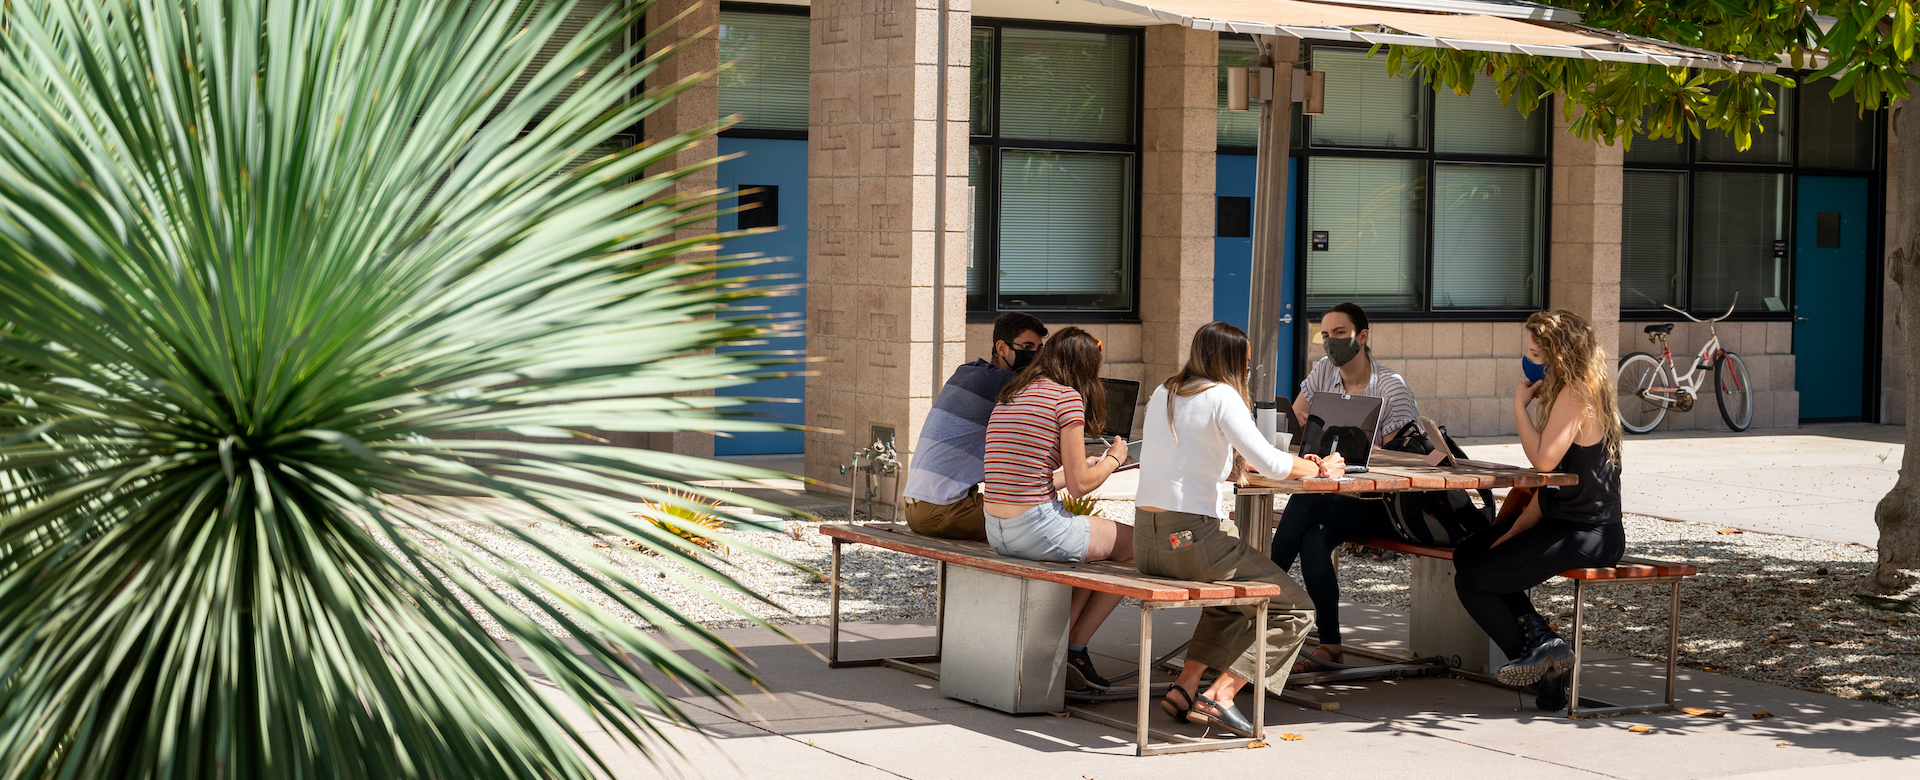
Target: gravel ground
x=1774, y=609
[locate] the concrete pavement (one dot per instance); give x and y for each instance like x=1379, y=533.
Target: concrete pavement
x=881, y=723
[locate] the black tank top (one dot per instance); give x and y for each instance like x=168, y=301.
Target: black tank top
x=1596, y=500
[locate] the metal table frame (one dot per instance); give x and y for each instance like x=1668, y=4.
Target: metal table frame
x=1257, y=502
x=1143, y=733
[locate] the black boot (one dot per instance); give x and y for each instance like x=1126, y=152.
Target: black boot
x=1543, y=653
x=1550, y=693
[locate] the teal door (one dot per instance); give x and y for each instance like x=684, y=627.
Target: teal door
x=777, y=168
x=1830, y=297
x=1233, y=255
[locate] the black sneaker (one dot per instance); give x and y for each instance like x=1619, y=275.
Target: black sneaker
x=1550, y=693
x=1080, y=671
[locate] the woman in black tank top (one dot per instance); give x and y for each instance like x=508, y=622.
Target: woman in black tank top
x=1572, y=427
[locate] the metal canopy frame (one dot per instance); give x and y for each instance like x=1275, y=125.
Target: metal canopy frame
x=1279, y=51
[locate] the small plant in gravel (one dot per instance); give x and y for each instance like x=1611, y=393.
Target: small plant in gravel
x=1084, y=505
x=685, y=515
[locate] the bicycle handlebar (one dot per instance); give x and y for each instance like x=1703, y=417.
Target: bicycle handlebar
x=1736, y=302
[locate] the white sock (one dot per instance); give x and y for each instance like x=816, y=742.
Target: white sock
x=1073, y=647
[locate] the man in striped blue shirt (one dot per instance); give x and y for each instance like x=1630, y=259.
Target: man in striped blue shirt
x=949, y=460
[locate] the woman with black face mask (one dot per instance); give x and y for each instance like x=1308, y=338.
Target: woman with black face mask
x=1313, y=524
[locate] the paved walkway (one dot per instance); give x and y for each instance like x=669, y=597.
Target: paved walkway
x=854, y=724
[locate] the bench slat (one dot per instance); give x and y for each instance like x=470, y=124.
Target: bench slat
x=1393, y=471
x=979, y=556
x=1629, y=568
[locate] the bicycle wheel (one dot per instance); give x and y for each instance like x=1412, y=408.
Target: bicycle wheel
x=1638, y=372
x=1734, y=387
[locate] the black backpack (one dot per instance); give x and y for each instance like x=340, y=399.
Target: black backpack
x=1435, y=518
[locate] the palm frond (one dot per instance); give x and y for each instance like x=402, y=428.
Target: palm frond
x=284, y=285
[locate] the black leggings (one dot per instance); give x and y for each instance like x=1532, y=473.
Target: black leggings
x=1311, y=526
x=1493, y=581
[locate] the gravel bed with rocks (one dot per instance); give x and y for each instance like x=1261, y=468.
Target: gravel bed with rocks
x=1768, y=608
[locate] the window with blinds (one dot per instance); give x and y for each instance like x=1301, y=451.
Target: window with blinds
x=1834, y=132
x=978, y=223
x=1739, y=217
x=576, y=22
x=767, y=84
x=1478, y=124
x=1060, y=85
x=980, y=83
x=1065, y=229
x=1366, y=106
x=1237, y=128
x=1772, y=143
x=1652, y=239
x=1373, y=213
x=1487, y=241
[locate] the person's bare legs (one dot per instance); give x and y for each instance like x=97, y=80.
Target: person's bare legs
x=1106, y=541
x=1224, y=688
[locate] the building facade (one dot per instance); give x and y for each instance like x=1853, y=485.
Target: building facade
x=931, y=164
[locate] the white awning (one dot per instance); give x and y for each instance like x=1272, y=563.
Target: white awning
x=1497, y=26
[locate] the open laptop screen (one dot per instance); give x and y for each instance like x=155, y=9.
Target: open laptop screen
x=1123, y=396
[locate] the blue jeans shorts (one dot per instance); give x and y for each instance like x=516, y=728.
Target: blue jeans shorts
x=1045, y=532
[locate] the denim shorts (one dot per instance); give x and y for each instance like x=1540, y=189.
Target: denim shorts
x=1045, y=532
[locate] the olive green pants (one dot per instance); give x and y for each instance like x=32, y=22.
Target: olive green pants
x=1185, y=546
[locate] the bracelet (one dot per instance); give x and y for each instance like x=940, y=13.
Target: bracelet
x=1115, y=460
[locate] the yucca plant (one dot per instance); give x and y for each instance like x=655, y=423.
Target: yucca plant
x=687, y=516
x=284, y=282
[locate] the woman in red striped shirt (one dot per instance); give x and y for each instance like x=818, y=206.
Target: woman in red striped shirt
x=1039, y=427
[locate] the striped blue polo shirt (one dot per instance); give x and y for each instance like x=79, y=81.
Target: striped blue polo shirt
x=950, y=456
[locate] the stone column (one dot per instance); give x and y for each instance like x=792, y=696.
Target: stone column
x=699, y=105
x=1585, y=246
x=886, y=303
x=1176, y=194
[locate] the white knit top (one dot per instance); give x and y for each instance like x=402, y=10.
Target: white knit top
x=1188, y=472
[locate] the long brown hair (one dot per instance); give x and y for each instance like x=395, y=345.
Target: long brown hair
x=1574, y=359
x=1218, y=354
x=1072, y=358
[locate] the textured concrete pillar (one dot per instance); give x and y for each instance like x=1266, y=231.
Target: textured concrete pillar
x=886, y=303
x=693, y=108
x=1585, y=249
x=1176, y=194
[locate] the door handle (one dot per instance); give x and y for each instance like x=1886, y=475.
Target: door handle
x=1798, y=318
x=1286, y=319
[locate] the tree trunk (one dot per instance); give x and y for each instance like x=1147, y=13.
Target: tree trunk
x=1898, y=514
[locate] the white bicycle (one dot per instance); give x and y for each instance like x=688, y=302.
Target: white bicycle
x=1647, y=386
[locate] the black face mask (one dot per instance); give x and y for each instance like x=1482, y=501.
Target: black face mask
x=1022, y=357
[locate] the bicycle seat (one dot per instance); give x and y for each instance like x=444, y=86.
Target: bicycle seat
x=1664, y=330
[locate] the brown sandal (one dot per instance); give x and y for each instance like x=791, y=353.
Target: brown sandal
x=1178, y=712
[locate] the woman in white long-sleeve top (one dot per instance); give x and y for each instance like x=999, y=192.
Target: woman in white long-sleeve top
x=1195, y=424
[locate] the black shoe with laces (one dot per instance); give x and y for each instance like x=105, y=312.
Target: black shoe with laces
x=1544, y=653
x=1080, y=670
x=1550, y=693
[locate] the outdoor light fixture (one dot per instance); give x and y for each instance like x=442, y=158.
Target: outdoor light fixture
x=1310, y=91
x=1239, y=85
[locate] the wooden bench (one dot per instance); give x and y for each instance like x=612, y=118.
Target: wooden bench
x=1630, y=571
x=1154, y=593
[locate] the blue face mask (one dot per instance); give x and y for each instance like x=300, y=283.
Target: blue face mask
x=1535, y=371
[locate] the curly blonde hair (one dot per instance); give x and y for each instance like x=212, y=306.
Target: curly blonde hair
x=1574, y=359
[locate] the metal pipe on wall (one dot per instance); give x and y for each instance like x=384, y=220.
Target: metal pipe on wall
x=1267, y=298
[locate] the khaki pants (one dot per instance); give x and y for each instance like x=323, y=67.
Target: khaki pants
x=1223, y=639
x=963, y=519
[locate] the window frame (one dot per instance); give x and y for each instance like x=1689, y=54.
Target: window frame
x=771, y=9
x=986, y=306
x=1426, y=312
x=1792, y=170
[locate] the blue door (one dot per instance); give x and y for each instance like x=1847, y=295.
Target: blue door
x=778, y=168
x=1830, y=297
x=1234, y=177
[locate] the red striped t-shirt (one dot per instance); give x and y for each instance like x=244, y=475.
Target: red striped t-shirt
x=1023, y=442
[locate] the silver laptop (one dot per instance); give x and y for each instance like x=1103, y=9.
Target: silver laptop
x=1345, y=423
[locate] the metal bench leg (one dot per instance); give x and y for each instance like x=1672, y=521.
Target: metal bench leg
x=1146, y=679
x=939, y=608
x=1260, y=667
x=1673, y=641
x=1579, y=620
x=833, y=605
